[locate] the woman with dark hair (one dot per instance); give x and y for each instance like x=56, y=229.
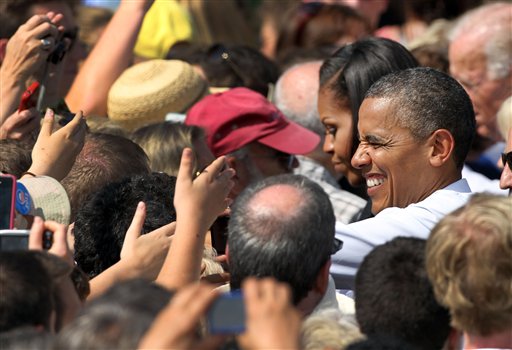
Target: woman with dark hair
x=344, y=79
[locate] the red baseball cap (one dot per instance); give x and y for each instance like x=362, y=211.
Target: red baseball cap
x=237, y=117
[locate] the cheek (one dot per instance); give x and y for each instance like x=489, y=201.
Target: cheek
x=343, y=145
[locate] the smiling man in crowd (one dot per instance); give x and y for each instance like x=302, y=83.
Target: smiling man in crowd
x=415, y=128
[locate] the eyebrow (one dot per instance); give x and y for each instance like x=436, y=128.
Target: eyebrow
x=372, y=138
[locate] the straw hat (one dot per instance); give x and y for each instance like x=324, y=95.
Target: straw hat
x=147, y=91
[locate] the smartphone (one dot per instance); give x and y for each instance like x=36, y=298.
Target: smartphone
x=227, y=314
x=27, y=101
x=7, y=201
x=18, y=240
x=13, y=240
x=219, y=234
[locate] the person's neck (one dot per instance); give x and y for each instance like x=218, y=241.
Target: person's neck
x=440, y=180
x=307, y=305
x=501, y=340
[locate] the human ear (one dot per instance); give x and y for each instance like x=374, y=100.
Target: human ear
x=441, y=144
x=322, y=280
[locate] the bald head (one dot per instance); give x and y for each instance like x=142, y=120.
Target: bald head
x=277, y=204
x=296, y=94
x=281, y=227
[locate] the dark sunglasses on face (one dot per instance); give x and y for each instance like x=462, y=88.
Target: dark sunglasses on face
x=506, y=159
x=337, y=245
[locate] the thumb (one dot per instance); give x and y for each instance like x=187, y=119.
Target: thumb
x=35, y=238
x=47, y=126
x=186, y=166
x=135, y=228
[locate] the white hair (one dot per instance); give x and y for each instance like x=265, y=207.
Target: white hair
x=493, y=28
x=331, y=330
x=296, y=95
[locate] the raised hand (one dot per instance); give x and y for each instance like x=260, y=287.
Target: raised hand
x=20, y=125
x=272, y=320
x=55, y=152
x=59, y=232
x=146, y=253
x=30, y=46
x=197, y=202
x=204, y=197
x=184, y=312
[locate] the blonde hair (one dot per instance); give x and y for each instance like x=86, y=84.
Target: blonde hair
x=329, y=330
x=469, y=262
x=164, y=142
x=104, y=125
x=212, y=267
x=505, y=117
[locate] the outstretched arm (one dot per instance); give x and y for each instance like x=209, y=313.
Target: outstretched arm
x=110, y=57
x=198, y=202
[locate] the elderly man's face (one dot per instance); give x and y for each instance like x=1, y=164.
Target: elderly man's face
x=261, y=162
x=395, y=165
x=468, y=65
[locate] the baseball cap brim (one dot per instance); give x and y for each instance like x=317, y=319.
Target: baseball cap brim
x=292, y=139
x=49, y=199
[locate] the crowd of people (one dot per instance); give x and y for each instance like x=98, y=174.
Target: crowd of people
x=344, y=177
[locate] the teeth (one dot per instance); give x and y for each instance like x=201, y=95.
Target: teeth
x=374, y=182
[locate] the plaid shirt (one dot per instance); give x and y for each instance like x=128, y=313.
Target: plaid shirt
x=345, y=204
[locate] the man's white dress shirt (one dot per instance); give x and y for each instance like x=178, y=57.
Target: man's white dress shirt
x=416, y=220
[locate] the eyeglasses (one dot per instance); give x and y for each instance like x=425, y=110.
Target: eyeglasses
x=506, y=159
x=285, y=159
x=336, y=246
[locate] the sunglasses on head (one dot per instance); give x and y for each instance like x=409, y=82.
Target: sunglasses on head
x=506, y=159
x=220, y=53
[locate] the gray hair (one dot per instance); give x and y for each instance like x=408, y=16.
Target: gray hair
x=302, y=111
x=494, y=28
x=291, y=248
x=426, y=100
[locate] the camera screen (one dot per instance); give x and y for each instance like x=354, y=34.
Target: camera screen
x=227, y=314
x=9, y=242
x=6, y=184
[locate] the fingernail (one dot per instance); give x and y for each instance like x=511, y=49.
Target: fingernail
x=49, y=112
x=140, y=205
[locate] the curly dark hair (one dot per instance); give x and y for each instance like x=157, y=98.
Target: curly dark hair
x=101, y=224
